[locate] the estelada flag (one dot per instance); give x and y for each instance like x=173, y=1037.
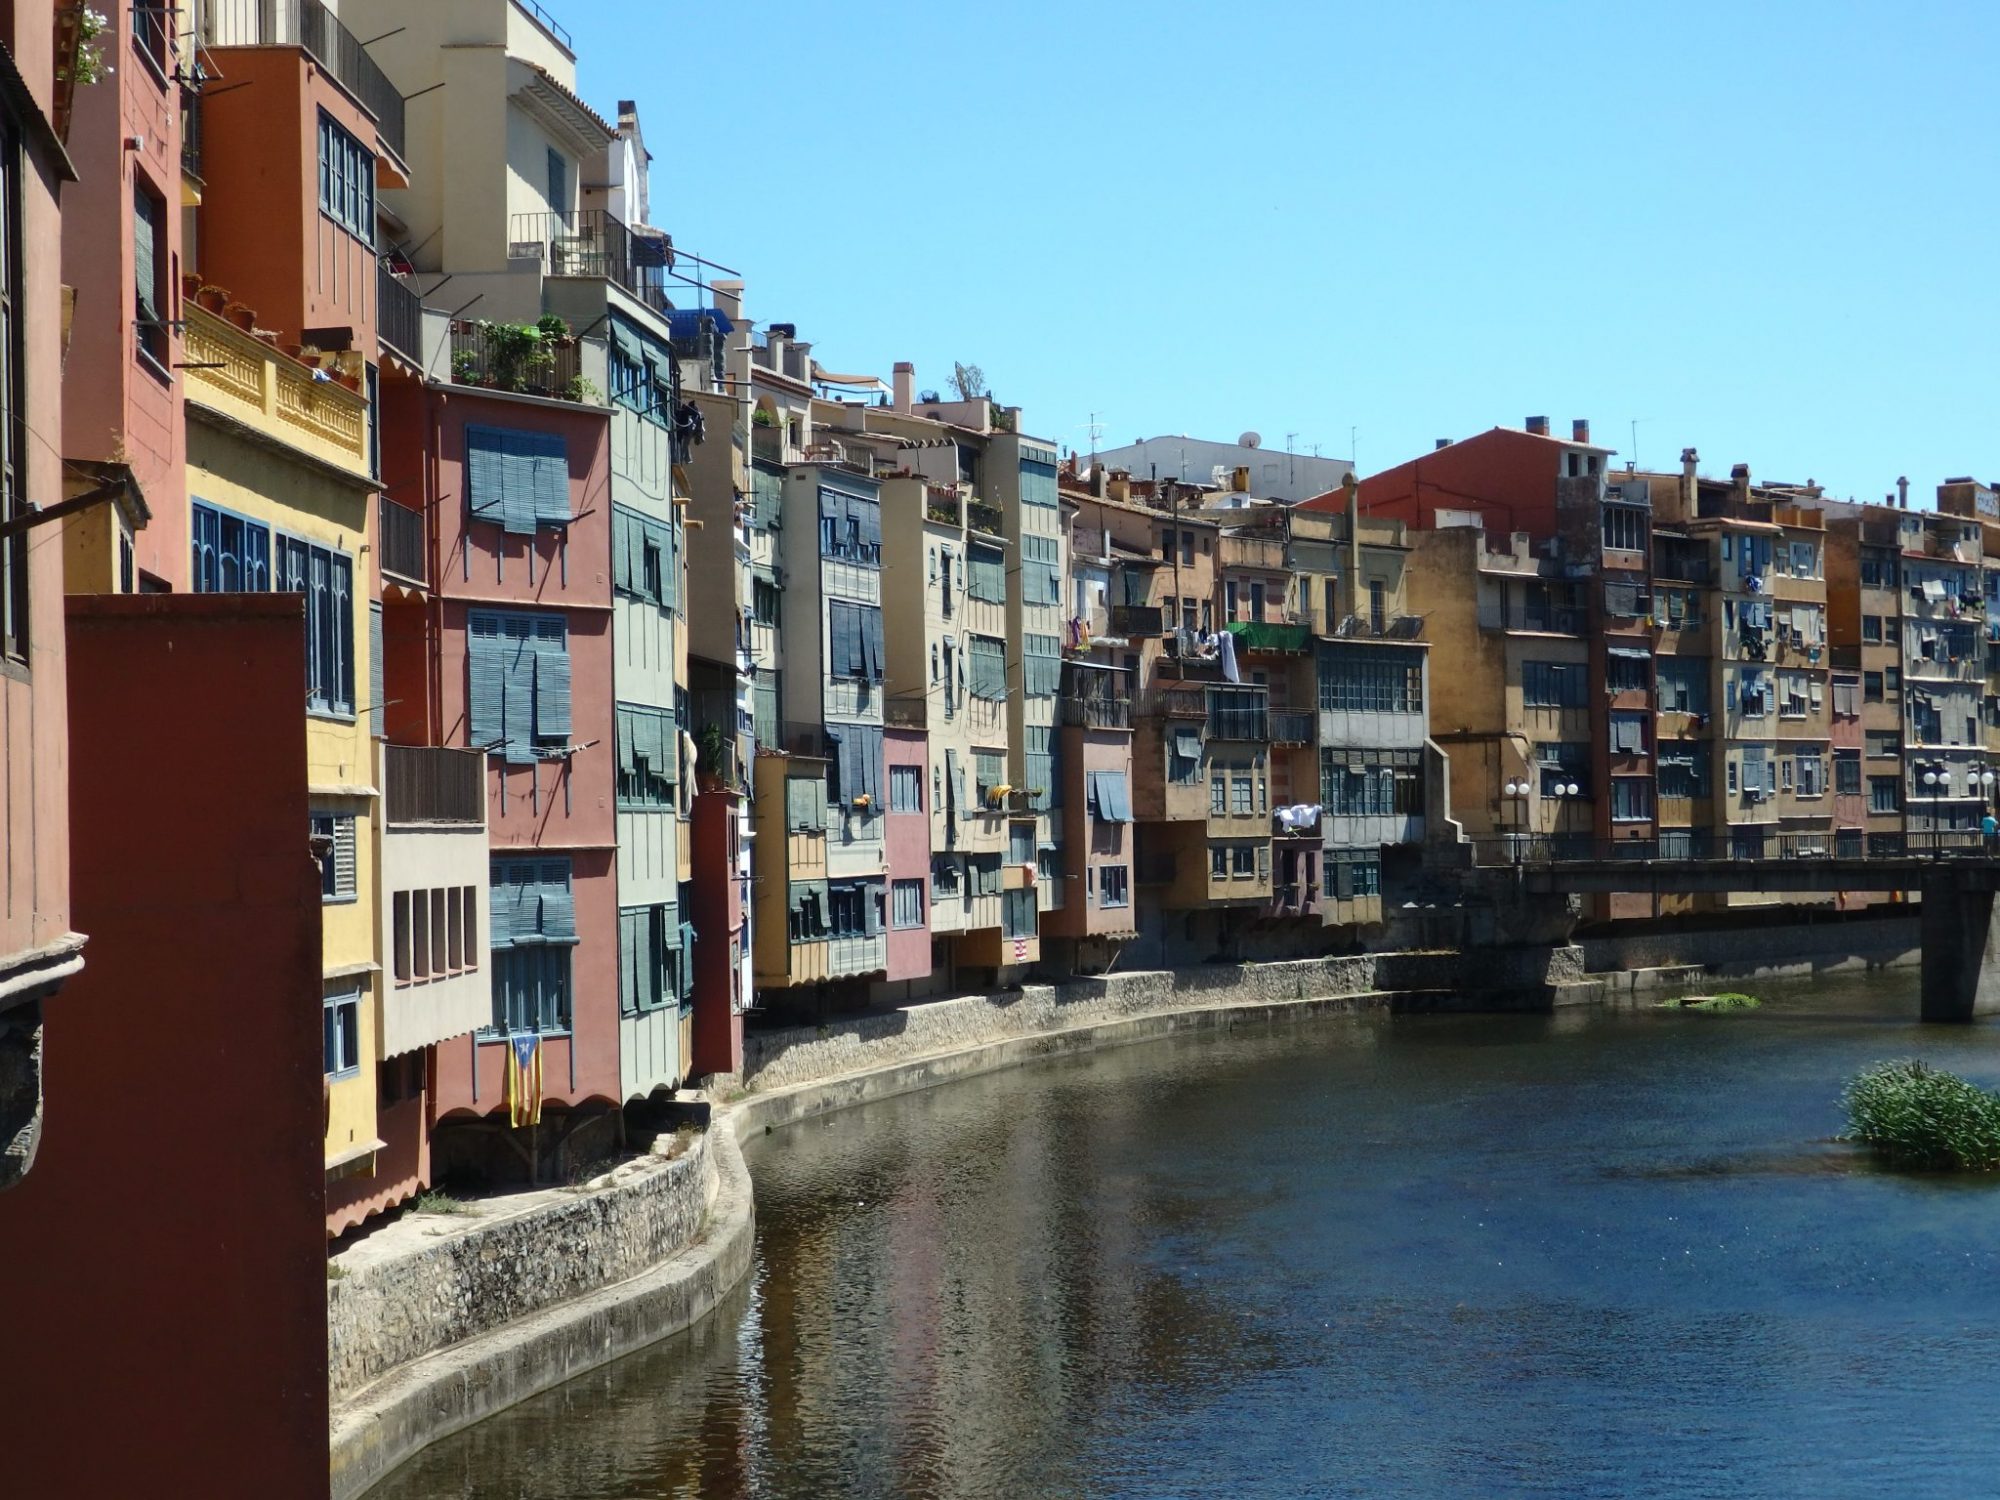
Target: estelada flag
x=524, y=1078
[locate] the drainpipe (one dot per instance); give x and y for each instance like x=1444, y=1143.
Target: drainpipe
x=1352, y=488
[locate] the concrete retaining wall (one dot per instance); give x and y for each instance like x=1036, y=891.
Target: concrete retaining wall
x=1762, y=952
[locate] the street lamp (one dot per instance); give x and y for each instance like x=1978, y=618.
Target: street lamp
x=1516, y=792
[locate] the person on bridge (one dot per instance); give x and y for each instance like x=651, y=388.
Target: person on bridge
x=1989, y=831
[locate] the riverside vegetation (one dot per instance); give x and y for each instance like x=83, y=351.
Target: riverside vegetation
x=1920, y=1118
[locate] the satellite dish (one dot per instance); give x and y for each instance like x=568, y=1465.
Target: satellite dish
x=1250, y=440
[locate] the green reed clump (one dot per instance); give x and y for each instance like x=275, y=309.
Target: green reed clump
x=1713, y=1004
x=1919, y=1118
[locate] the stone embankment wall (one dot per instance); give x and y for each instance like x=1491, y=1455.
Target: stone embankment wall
x=1851, y=944
x=479, y=1274
x=1497, y=981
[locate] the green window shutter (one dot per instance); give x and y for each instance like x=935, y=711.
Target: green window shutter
x=558, y=906
x=487, y=673
x=517, y=660
x=621, y=558
x=485, y=473
x=547, y=455
x=986, y=569
x=376, y=708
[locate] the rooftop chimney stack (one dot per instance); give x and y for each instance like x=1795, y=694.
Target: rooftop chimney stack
x=1902, y=492
x=904, y=383
x=1579, y=430
x=1538, y=426
x=1739, y=477
x=1689, y=459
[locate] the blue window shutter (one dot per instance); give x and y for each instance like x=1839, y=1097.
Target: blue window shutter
x=485, y=473
x=621, y=556
x=551, y=691
x=517, y=491
x=518, y=666
x=548, y=476
x=871, y=619
x=487, y=667
x=376, y=709
x=558, y=906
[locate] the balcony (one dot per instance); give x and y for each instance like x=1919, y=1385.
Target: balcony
x=1270, y=635
x=1410, y=627
x=516, y=357
x=399, y=315
x=309, y=24
x=983, y=518
x=1294, y=726
x=1238, y=713
x=433, y=784
x=1097, y=713
x=191, y=135
x=401, y=531
x=1186, y=702
x=246, y=378
x=591, y=242
x=1132, y=620
x=943, y=506
x=1237, y=551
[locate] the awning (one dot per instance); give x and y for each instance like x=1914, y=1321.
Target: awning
x=1933, y=590
x=1630, y=653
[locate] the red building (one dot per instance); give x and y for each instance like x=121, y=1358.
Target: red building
x=717, y=909
x=508, y=649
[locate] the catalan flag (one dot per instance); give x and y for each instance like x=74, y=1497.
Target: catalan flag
x=524, y=1078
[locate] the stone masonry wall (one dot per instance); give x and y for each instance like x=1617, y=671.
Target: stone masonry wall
x=552, y=1246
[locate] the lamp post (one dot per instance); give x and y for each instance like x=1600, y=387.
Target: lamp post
x=1936, y=785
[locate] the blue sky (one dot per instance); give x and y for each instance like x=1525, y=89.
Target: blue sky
x=1766, y=230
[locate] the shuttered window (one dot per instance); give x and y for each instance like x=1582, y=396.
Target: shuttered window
x=516, y=478
x=649, y=938
x=149, y=254
x=533, y=928
x=231, y=553
x=1041, y=570
x=805, y=805
x=850, y=527
x=1109, y=801
x=326, y=578
x=336, y=866
x=1042, y=783
x=906, y=904
x=1017, y=913
x=346, y=180
x=854, y=640
x=854, y=772
x=988, y=658
x=519, y=683
x=854, y=908
x=645, y=562
x=1041, y=665
x=1038, y=476
x=986, y=573
x=648, y=758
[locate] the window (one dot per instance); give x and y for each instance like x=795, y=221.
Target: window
x=1684, y=771
x=1373, y=783
x=767, y=603
x=1629, y=733
x=854, y=640
x=854, y=768
x=1038, y=476
x=646, y=562
x=1107, y=798
x=1020, y=843
x=1043, y=787
x=988, y=658
x=1631, y=799
x=648, y=749
x=1871, y=630
x=1563, y=765
x=1378, y=606
x=1183, y=755
x=1241, y=793
x=1017, y=914
x=1846, y=698
x=149, y=277
x=986, y=573
x=533, y=930
x=347, y=180
x=1627, y=669
x=1041, y=570
x=1187, y=549
x=906, y=904
x=1871, y=687
x=1554, y=684
x=1794, y=695
x=985, y=873
x=989, y=771
x=1810, y=775
x=1885, y=794
x=1683, y=684
x=13, y=501
x=850, y=527
x=1114, y=885
x=650, y=940
x=326, y=578
x=906, y=789
x=336, y=866
x=559, y=184
x=1218, y=862
x=1041, y=665
x=1243, y=861
x=946, y=878
x=1884, y=744
x=1370, y=679
x=1218, y=791
x=1352, y=872
x=1625, y=528
x=518, y=668
x=1878, y=568
x=341, y=1019
x=1750, y=694
x=231, y=553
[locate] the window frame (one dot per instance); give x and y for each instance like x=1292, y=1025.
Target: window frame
x=346, y=180
x=340, y=1028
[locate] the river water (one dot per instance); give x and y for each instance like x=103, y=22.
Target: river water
x=1603, y=1254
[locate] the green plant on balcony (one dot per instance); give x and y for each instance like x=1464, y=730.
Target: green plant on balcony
x=90, y=64
x=761, y=417
x=465, y=368
x=554, y=330
x=514, y=351
x=582, y=388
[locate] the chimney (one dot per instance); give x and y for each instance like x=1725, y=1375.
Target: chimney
x=1119, y=486
x=728, y=299
x=905, y=381
x=1539, y=426
x=1444, y=442
x=1689, y=460
x=1739, y=476
x=1239, y=479
x=1579, y=430
x=1902, y=492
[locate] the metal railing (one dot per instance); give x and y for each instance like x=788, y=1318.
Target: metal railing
x=1097, y=713
x=433, y=784
x=983, y=518
x=191, y=133
x=309, y=24
x=402, y=536
x=1190, y=702
x=1409, y=627
x=1239, y=713
x=1727, y=846
x=495, y=356
x=399, y=314
x=1294, y=726
x=549, y=24
x=1138, y=619
x=592, y=242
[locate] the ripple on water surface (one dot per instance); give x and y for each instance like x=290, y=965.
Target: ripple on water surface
x=1594, y=1254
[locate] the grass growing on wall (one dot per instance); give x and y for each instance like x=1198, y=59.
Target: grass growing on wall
x=1918, y=1118
x=1711, y=1005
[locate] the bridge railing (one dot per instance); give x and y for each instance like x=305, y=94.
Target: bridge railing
x=1727, y=846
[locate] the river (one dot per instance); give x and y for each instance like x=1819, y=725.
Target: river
x=1600, y=1253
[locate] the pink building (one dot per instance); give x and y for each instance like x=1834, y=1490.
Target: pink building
x=721, y=986
x=508, y=649
x=907, y=846
x=1096, y=913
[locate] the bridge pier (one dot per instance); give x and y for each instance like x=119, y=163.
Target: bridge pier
x=1961, y=948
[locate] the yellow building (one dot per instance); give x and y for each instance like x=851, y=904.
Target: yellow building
x=279, y=496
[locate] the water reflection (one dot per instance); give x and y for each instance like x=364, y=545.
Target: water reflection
x=1593, y=1254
